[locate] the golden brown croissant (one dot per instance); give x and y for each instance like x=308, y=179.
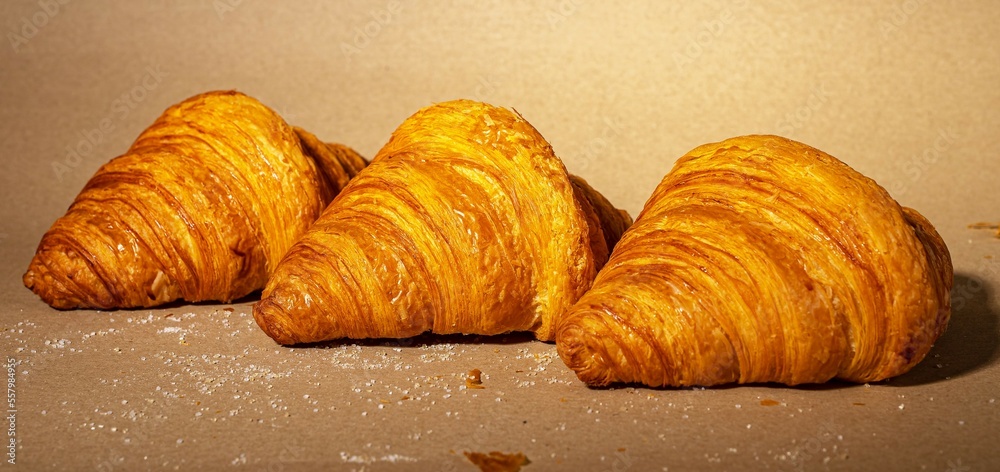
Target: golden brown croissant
x=465, y=222
x=201, y=207
x=760, y=259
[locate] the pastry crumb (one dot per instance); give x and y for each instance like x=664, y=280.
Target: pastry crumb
x=496, y=461
x=984, y=225
x=474, y=379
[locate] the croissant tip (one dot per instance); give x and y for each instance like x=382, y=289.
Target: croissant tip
x=49, y=290
x=572, y=348
x=266, y=313
x=29, y=279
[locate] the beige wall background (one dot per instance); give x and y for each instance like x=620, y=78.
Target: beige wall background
x=621, y=90
x=905, y=91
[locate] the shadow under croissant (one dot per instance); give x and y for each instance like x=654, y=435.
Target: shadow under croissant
x=428, y=339
x=971, y=342
x=250, y=299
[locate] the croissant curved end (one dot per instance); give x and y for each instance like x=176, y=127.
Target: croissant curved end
x=272, y=318
x=74, y=285
x=571, y=344
x=938, y=258
x=39, y=279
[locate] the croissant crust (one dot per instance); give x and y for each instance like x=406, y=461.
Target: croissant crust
x=465, y=222
x=761, y=259
x=201, y=207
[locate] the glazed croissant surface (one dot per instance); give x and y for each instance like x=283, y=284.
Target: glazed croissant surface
x=465, y=222
x=761, y=259
x=201, y=207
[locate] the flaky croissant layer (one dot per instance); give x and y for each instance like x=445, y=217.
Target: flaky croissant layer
x=201, y=207
x=465, y=222
x=761, y=259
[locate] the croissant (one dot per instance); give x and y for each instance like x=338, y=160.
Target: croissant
x=201, y=207
x=761, y=259
x=464, y=222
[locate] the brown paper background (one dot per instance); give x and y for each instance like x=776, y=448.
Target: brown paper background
x=904, y=91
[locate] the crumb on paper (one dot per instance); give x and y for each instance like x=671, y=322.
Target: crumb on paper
x=496, y=461
x=769, y=402
x=984, y=225
x=474, y=379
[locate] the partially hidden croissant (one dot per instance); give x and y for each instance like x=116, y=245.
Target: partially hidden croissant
x=761, y=259
x=465, y=222
x=201, y=207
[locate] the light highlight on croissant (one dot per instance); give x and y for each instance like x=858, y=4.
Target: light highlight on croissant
x=465, y=222
x=201, y=207
x=761, y=259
